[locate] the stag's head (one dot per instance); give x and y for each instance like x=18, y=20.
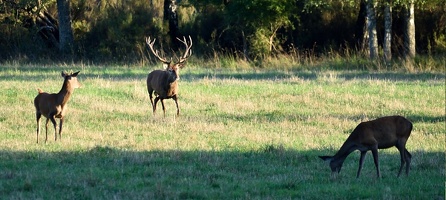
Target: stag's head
x=174, y=68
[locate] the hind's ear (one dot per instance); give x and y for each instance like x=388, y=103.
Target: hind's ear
x=64, y=74
x=75, y=74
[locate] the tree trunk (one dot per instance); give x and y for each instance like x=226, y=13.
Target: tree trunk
x=409, y=34
x=387, y=47
x=361, y=28
x=170, y=14
x=245, y=47
x=371, y=26
x=65, y=32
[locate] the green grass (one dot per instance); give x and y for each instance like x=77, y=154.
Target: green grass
x=241, y=134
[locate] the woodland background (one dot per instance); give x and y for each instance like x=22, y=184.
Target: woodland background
x=113, y=31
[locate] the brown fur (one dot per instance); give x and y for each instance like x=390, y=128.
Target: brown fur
x=165, y=85
x=54, y=105
x=381, y=133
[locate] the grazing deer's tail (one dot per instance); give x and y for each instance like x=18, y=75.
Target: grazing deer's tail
x=40, y=90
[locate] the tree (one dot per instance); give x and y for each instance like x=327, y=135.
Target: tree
x=258, y=22
x=170, y=14
x=409, y=33
x=361, y=34
x=371, y=28
x=66, y=39
x=387, y=46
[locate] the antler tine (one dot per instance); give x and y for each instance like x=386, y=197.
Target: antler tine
x=188, y=51
x=150, y=43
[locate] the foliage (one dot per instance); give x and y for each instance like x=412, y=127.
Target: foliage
x=114, y=30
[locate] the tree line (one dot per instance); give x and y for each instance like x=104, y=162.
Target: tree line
x=114, y=30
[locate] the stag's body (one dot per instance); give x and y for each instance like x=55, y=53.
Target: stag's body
x=381, y=133
x=54, y=105
x=164, y=83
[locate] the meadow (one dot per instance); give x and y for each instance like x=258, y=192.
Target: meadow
x=241, y=134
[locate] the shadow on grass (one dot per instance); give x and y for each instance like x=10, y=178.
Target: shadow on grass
x=271, y=172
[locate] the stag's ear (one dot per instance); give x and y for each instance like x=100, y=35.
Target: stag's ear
x=166, y=65
x=75, y=74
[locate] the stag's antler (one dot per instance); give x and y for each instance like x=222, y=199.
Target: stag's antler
x=188, y=51
x=150, y=43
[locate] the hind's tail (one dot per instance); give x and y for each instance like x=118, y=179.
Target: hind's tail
x=40, y=90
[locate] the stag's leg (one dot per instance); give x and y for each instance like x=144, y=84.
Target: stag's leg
x=361, y=162
x=46, y=129
x=154, y=104
x=176, y=103
x=150, y=96
x=60, y=128
x=164, y=108
x=38, y=116
x=375, y=159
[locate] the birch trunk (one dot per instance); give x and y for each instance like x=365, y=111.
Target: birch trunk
x=409, y=35
x=387, y=47
x=371, y=26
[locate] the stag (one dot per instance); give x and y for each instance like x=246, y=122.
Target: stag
x=381, y=133
x=164, y=83
x=54, y=105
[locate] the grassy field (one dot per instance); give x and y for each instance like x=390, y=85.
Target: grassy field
x=241, y=134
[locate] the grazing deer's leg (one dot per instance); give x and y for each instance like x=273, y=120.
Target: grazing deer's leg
x=403, y=160
x=408, y=160
x=60, y=128
x=176, y=103
x=405, y=155
x=38, y=116
x=361, y=162
x=46, y=129
x=375, y=159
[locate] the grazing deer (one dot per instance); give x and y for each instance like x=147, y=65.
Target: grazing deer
x=54, y=105
x=381, y=133
x=165, y=82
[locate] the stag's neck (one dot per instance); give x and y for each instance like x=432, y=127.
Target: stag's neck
x=64, y=94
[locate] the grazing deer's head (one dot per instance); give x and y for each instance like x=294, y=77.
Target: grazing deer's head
x=164, y=82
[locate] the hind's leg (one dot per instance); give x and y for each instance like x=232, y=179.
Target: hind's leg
x=60, y=128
